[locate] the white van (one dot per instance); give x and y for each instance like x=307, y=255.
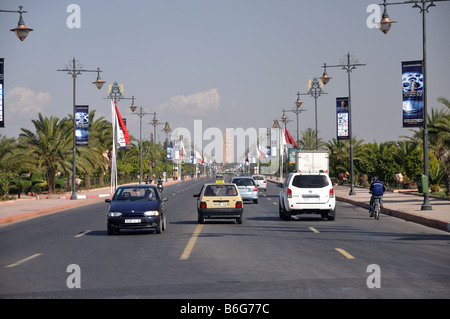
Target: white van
x=307, y=193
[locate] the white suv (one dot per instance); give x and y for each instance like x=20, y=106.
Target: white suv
x=307, y=193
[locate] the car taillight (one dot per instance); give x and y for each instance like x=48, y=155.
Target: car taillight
x=238, y=205
x=331, y=193
x=255, y=189
x=202, y=205
x=289, y=193
x=264, y=182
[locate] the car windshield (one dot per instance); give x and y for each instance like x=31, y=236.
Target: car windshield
x=310, y=181
x=220, y=190
x=244, y=182
x=136, y=193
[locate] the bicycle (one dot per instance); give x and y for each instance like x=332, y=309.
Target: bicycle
x=377, y=208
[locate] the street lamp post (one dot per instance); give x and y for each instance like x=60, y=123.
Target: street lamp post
x=296, y=111
x=167, y=128
x=140, y=114
x=154, y=122
x=276, y=125
x=21, y=31
x=385, y=25
x=314, y=90
x=74, y=68
x=348, y=63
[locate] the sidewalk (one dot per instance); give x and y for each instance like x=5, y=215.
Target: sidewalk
x=402, y=205
x=28, y=206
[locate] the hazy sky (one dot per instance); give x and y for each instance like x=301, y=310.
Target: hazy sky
x=230, y=63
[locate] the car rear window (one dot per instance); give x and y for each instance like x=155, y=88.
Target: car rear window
x=259, y=178
x=310, y=181
x=244, y=182
x=220, y=190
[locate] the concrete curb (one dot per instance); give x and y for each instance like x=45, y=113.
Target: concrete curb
x=85, y=199
x=18, y=217
x=430, y=222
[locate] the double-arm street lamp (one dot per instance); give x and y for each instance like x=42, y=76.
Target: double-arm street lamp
x=155, y=122
x=315, y=90
x=74, y=68
x=141, y=115
x=385, y=26
x=21, y=31
x=297, y=111
x=348, y=63
x=167, y=127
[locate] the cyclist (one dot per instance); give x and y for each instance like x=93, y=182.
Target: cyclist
x=377, y=190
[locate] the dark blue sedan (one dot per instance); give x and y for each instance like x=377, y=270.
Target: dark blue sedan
x=136, y=207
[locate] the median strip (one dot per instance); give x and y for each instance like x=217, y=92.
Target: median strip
x=82, y=233
x=190, y=245
x=346, y=254
x=22, y=261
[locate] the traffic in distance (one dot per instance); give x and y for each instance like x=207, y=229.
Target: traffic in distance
x=307, y=190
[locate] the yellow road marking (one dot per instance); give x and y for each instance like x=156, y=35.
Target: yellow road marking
x=314, y=230
x=83, y=233
x=22, y=261
x=190, y=245
x=346, y=254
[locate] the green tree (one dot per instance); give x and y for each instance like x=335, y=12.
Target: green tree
x=50, y=146
x=308, y=140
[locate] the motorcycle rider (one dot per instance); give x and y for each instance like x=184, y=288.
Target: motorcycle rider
x=159, y=183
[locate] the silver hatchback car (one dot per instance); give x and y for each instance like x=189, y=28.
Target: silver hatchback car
x=247, y=187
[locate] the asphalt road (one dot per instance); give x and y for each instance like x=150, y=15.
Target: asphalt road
x=265, y=257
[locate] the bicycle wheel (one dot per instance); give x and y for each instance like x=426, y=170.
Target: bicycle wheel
x=377, y=209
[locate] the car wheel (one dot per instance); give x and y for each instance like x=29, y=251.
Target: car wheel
x=111, y=231
x=158, y=228
x=255, y=201
x=332, y=215
x=239, y=220
x=164, y=225
x=282, y=214
x=201, y=219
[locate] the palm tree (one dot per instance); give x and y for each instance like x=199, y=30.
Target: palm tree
x=439, y=131
x=308, y=140
x=50, y=146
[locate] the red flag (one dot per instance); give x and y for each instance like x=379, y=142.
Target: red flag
x=122, y=125
x=289, y=138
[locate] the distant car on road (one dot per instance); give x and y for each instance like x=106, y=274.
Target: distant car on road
x=136, y=207
x=260, y=181
x=247, y=188
x=219, y=201
x=220, y=178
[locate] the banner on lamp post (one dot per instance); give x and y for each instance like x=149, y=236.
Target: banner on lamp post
x=342, y=118
x=412, y=87
x=82, y=125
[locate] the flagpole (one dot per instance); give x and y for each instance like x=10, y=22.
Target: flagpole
x=113, y=159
